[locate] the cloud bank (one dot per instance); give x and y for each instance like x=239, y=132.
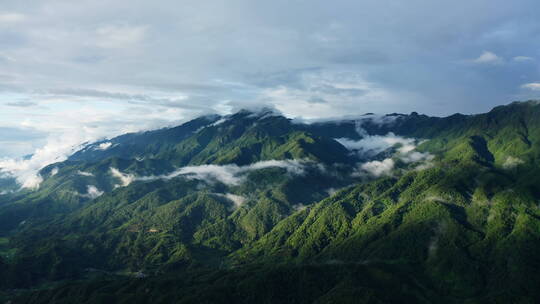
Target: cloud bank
x=370, y=146
x=26, y=171
x=379, y=168
x=227, y=174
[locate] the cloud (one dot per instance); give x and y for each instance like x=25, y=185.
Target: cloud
x=488, y=57
x=424, y=166
x=70, y=125
x=415, y=156
x=104, y=146
x=512, y=162
x=22, y=104
x=299, y=207
x=534, y=86
x=372, y=145
x=83, y=173
x=26, y=171
x=523, y=59
x=119, y=36
x=237, y=200
x=231, y=174
x=334, y=93
x=54, y=171
x=92, y=192
x=227, y=174
x=379, y=168
x=18, y=141
x=11, y=17
x=386, y=167
x=125, y=179
x=293, y=166
x=160, y=67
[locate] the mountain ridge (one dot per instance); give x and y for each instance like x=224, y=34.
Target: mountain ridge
x=446, y=205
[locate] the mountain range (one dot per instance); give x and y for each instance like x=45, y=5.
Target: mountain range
x=254, y=207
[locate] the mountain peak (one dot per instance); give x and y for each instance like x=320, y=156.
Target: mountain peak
x=257, y=112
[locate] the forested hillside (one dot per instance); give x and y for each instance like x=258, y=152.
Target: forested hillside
x=256, y=207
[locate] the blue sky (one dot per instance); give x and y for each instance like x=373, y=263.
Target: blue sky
x=75, y=71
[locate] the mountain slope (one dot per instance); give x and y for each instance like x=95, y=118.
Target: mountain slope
x=241, y=139
x=429, y=209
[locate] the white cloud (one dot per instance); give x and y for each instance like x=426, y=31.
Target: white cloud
x=416, y=156
x=424, y=166
x=54, y=171
x=372, y=145
x=534, y=86
x=512, y=162
x=26, y=171
x=104, y=146
x=71, y=125
x=84, y=173
x=227, y=174
x=115, y=36
x=183, y=50
x=488, y=57
x=180, y=51
x=11, y=17
x=125, y=179
x=522, y=58
x=379, y=168
x=92, y=192
x=299, y=207
x=293, y=166
x=231, y=174
x=237, y=200
x=329, y=93
x=220, y=121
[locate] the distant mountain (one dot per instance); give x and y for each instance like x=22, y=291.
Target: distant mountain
x=255, y=207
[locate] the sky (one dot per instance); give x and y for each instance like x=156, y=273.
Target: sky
x=77, y=71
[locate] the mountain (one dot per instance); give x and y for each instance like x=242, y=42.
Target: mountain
x=256, y=207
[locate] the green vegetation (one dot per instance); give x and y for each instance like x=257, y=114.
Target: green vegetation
x=6, y=252
x=465, y=228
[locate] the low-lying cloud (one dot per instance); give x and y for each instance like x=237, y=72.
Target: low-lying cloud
x=54, y=171
x=92, y=192
x=372, y=145
x=512, y=162
x=26, y=171
x=104, y=146
x=488, y=57
x=379, y=168
x=227, y=174
x=124, y=178
x=84, y=173
x=237, y=200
